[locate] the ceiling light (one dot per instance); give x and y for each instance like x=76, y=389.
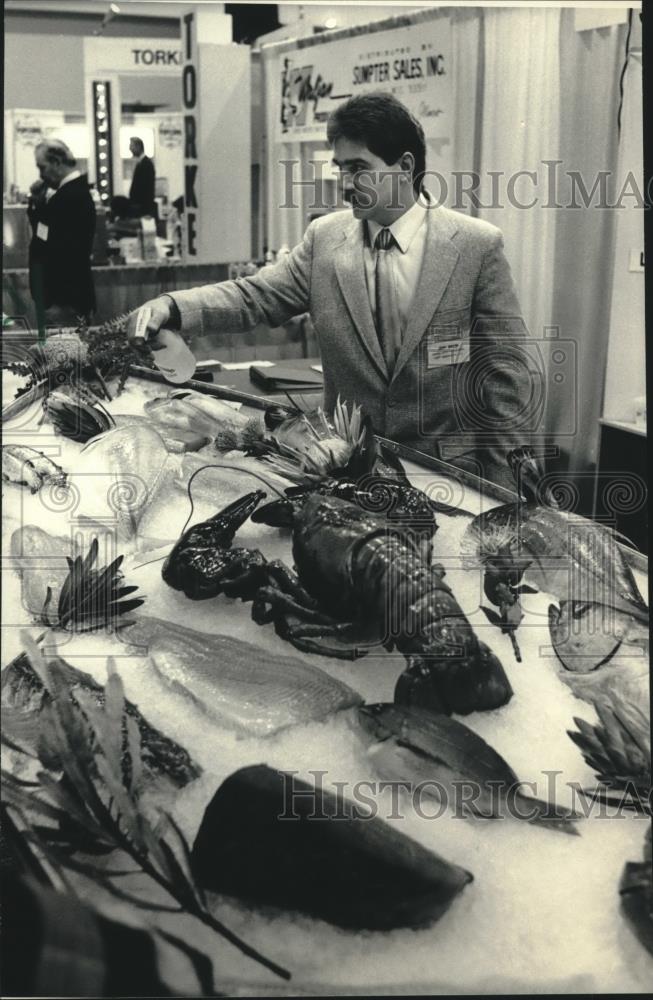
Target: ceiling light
x=112, y=12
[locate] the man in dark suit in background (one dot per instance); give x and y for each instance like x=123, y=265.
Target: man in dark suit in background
x=62, y=215
x=141, y=192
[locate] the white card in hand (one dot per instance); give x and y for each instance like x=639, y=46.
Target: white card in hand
x=175, y=360
x=143, y=317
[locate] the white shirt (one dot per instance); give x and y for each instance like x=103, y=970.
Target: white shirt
x=409, y=230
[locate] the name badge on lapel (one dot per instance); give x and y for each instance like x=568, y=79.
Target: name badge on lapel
x=446, y=344
x=42, y=232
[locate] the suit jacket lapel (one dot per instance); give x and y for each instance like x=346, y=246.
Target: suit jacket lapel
x=440, y=258
x=350, y=271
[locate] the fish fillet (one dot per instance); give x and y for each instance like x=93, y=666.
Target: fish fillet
x=241, y=686
x=260, y=841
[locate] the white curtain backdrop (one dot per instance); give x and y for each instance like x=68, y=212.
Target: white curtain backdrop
x=520, y=129
x=585, y=238
x=626, y=361
x=466, y=40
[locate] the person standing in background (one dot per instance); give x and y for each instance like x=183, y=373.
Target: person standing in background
x=141, y=192
x=62, y=215
x=36, y=213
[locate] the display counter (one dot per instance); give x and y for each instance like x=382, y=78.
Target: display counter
x=542, y=914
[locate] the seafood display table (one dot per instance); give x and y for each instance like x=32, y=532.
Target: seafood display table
x=543, y=912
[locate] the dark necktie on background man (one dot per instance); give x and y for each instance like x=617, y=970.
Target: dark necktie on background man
x=387, y=310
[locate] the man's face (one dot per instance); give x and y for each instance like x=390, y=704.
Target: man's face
x=133, y=148
x=48, y=172
x=375, y=189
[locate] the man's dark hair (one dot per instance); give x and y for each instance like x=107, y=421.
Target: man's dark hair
x=140, y=145
x=384, y=125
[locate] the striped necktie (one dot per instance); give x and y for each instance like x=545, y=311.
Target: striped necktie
x=387, y=311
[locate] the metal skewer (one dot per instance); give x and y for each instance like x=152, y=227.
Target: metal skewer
x=209, y=389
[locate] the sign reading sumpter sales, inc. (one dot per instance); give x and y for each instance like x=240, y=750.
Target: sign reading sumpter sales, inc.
x=413, y=62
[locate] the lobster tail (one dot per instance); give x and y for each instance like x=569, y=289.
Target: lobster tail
x=445, y=685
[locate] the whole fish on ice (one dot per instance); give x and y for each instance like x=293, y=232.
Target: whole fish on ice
x=579, y=562
x=40, y=561
x=243, y=687
x=79, y=420
x=23, y=696
x=454, y=763
x=189, y=411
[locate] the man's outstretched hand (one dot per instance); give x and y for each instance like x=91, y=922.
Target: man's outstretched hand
x=144, y=323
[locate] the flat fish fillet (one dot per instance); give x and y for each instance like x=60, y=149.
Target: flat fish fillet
x=241, y=686
x=40, y=561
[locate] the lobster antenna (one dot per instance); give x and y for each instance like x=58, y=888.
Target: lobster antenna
x=217, y=465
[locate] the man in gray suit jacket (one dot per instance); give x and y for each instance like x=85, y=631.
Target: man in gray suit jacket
x=421, y=326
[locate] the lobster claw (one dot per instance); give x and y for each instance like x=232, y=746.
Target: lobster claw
x=199, y=551
x=233, y=516
x=444, y=685
x=276, y=514
x=418, y=686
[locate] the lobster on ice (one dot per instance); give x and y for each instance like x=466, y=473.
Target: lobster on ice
x=360, y=579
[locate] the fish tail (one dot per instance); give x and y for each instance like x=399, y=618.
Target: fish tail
x=548, y=814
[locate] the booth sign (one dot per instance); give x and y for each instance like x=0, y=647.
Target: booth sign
x=28, y=131
x=170, y=133
x=412, y=62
